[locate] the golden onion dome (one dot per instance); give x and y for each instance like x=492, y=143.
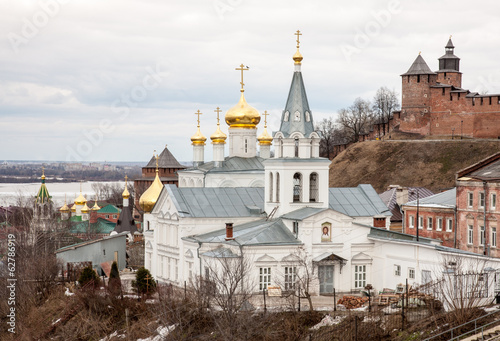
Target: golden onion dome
x=73, y=208
x=95, y=207
x=65, y=208
x=242, y=115
x=265, y=138
x=198, y=138
x=85, y=209
x=125, y=193
x=297, y=57
x=150, y=196
x=218, y=137
x=80, y=200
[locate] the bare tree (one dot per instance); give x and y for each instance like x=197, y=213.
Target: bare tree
x=356, y=119
x=384, y=103
x=331, y=134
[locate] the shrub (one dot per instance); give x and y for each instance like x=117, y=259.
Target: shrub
x=88, y=277
x=144, y=282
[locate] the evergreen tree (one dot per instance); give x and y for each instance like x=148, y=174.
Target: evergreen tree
x=144, y=282
x=88, y=275
x=114, y=284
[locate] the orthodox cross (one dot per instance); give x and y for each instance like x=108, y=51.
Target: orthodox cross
x=147, y=278
x=298, y=34
x=198, y=113
x=126, y=177
x=242, y=68
x=218, y=111
x=265, y=114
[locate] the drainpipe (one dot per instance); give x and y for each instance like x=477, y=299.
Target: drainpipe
x=486, y=244
x=456, y=227
x=198, y=254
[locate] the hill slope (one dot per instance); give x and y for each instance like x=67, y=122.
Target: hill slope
x=424, y=163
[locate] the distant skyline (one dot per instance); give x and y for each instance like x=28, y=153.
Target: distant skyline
x=115, y=80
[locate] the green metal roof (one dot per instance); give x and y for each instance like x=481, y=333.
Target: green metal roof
x=101, y=226
x=43, y=195
x=109, y=209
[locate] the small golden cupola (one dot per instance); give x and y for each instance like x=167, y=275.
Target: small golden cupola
x=265, y=138
x=242, y=115
x=297, y=57
x=218, y=137
x=95, y=207
x=150, y=196
x=125, y=194
x=198, y=138
x=81, y=199
x=65, y=208
x=85, y=208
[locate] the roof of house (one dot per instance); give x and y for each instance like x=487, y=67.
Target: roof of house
x=361, y=201
x=165, y=160
x=231, y=164
x=102, y=226
x=109, y=209
x=88, y=242
x=259, y=232
x=389, y=198
x=486, y=169
x=217, y=201
x=302, y=213
x=446, y=199
x=419, y=67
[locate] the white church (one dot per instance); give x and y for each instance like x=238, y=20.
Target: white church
x=270, y=210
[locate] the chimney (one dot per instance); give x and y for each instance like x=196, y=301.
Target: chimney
x=402, y=195
x=229, y=231
x=93, y=216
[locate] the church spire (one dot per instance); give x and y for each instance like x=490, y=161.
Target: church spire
x=42, y=196
x=297, y=116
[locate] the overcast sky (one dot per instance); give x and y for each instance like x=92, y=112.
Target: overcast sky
x=114, y=80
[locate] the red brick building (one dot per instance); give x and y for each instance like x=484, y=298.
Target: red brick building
x=434, y=103
x=435, y=217
x=478, y=188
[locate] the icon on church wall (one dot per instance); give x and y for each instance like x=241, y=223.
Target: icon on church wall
x=326, y=233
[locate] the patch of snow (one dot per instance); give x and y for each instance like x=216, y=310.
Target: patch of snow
x=114, y=334
x=328, y=321
x=365, y=308
x=490, y=309
x=162, y=333
x=56, y=321
x=68, y=293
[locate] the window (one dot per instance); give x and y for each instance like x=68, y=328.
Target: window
x=277, y=187
x=411, y=273
x=246, y=146
x=313, y=187
x=115, y=216
x=359, y=276
x=420, y=222
x=296, y=147
x=493, y=201
x=107, y=216
x=297, y=187
x=295, y=227
x=264, y=278
x=290, y=277
x=296, y=118
x=493, y=237
x=439, y=224
x=482, y=236
x=412, y=221
x=176, y=262
x=470, y=199
x=470, y=234
x=429, y=223
x=449, y=225
x=271, y=187
x=481, y=199
x=426, y=276
x=397, y=270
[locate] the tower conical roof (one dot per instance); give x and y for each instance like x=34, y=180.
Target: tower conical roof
x=419, y=67
x=42, y=195
x=165, y=160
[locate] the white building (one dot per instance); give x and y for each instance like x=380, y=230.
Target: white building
x=295, y=214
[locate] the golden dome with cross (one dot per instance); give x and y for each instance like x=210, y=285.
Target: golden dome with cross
x=242, y=115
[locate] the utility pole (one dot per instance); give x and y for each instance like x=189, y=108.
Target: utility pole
x=418, y=221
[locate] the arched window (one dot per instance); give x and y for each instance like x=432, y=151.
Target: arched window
x=271, y=187
x=246, y=146
x=297, y=187
x=313, y=187
x=281, y=147
x=277, y=187
x=296, y=147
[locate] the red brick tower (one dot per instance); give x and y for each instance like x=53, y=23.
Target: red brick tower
x=415, y=104
x=449, y=66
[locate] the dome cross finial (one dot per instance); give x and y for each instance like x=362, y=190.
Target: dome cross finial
x=218, y=111
x=298, y=34
x=242, y=68
x=265, y=114
x=198, y=113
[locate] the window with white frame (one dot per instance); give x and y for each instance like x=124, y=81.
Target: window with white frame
x=426, y=276
x=493, y=237
x=481, y=235
x=429, y=223
x=470, y=234
x=470, y=199
x=449, y=225
x=481, y=199
x=359, y=276
x=439, y=224
x=297, y=187
x=420, y=222
x=411, y=273
x=397, y=270
x=271, y=187
x=493, y=201
x=290, y=277
x=412, y=221
x=264, y=278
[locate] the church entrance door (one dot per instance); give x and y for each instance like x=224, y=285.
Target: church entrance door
x=325, y=274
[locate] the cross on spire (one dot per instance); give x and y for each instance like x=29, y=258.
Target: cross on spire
x=242, y=68
x=218, y=111
x=126, y=177
x=265, y=114
x=198, y=113
x=298, y=34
